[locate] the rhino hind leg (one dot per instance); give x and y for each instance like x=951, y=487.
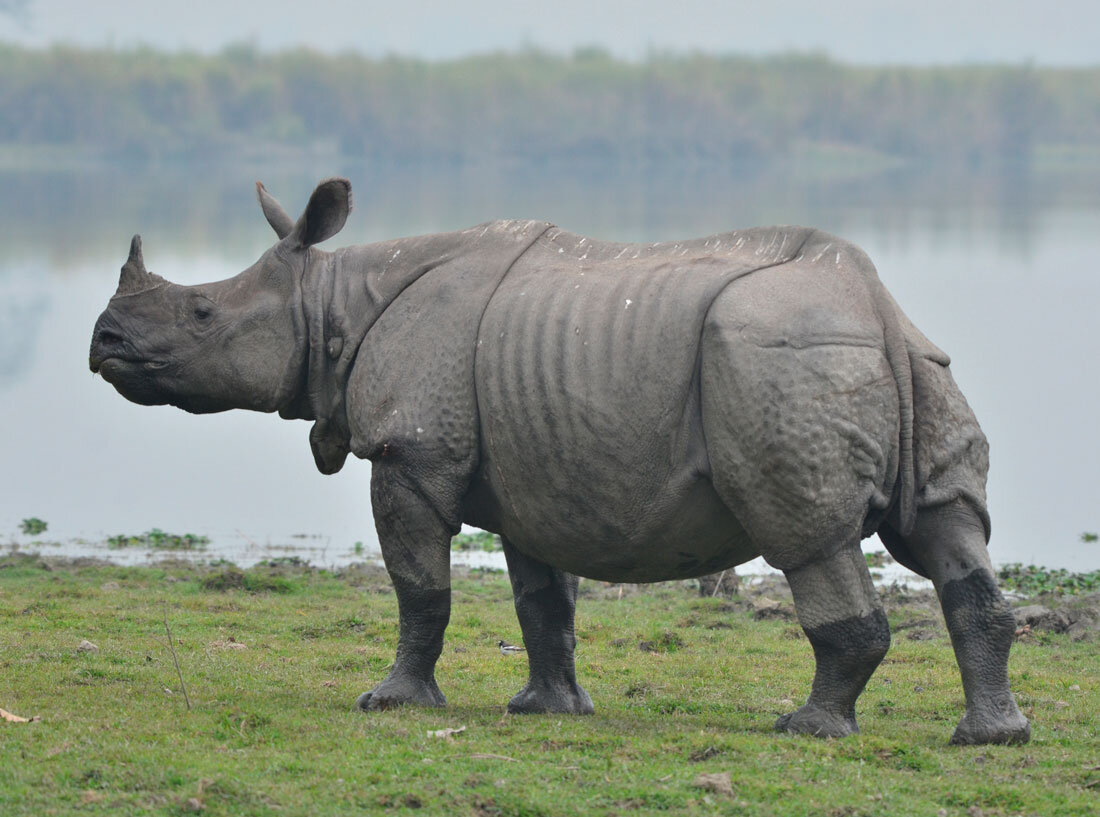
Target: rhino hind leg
x=841, y=615
x=416, y=548
x=950, y=542
x=545, y=600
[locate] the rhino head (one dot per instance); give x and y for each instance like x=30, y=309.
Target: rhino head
x=237, y=343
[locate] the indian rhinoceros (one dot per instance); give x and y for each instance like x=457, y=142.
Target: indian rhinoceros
x=625, y=412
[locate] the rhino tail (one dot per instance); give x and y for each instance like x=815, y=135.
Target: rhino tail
x=904, y=512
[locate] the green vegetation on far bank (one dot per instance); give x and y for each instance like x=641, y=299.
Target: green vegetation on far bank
x=273, y=658
x=156, y=538
x=476, y=540
x=33, y=526
x=1032, y=580
x=140, y=105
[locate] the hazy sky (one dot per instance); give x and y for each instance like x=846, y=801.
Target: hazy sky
x=1065, y=32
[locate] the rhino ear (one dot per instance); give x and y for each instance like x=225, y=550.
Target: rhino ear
x=276, y=216
x=325, y=214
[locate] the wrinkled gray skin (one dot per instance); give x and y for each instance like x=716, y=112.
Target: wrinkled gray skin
x=625, y=412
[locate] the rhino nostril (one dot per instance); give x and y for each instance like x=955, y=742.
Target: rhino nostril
x=109, y=338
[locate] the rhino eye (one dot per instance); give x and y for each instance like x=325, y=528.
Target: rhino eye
x=203, y=312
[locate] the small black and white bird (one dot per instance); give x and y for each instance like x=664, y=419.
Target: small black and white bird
x=509, y=649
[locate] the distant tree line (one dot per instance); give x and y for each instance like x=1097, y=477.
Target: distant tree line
x=535, y=106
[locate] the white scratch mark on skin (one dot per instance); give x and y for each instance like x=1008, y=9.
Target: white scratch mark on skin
x=768, y=247
x=392, y=257
x=502, y=334
x=483, y=232
x=576, y=286
x=395, y=411
x=740, y=243
x=637, y=254
x=584, y=256
x=838, y=259
x=628, y=303
x=561, y=249
x=717, y=244
x=824, y=250
x=419, y=430
x=621, y=252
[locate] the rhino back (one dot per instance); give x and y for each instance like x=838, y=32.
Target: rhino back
x=587, y=383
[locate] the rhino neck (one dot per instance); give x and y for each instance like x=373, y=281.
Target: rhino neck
x=343, y=295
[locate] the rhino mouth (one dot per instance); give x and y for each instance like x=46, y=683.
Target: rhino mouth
x=132, y=378
x=108, y=364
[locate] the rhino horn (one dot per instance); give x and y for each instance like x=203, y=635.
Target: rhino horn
x=135, y=278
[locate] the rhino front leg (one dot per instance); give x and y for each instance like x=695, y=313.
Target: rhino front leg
x=949, y=541
x=416, y=548
x=840, y=613
x=545, y=601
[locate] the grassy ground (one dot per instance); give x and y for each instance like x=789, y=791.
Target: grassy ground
x=272, y=672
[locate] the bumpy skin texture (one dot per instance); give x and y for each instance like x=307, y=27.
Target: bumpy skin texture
x=620, y=411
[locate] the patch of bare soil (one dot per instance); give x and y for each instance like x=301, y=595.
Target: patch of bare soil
x=1076, y=616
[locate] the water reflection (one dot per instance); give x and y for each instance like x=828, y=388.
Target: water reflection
x=68, y=218
x=23, y=309
x=998, y=270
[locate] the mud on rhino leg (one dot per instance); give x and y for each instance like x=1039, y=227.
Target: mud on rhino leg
x=840, y=613
x=416, y=548
x=545, y=600
x=950, y=543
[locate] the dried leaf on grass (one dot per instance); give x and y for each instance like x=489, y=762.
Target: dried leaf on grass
x=719, y=783
x=10, y=718
x=445, y=733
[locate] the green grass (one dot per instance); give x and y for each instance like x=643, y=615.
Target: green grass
x=273, y=663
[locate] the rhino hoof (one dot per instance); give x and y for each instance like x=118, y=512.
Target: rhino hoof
x=812, y=720
x=561, y=699
x=1012, y=728
x=391, y=693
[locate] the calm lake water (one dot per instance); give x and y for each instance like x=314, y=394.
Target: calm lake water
x=1003, y=274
